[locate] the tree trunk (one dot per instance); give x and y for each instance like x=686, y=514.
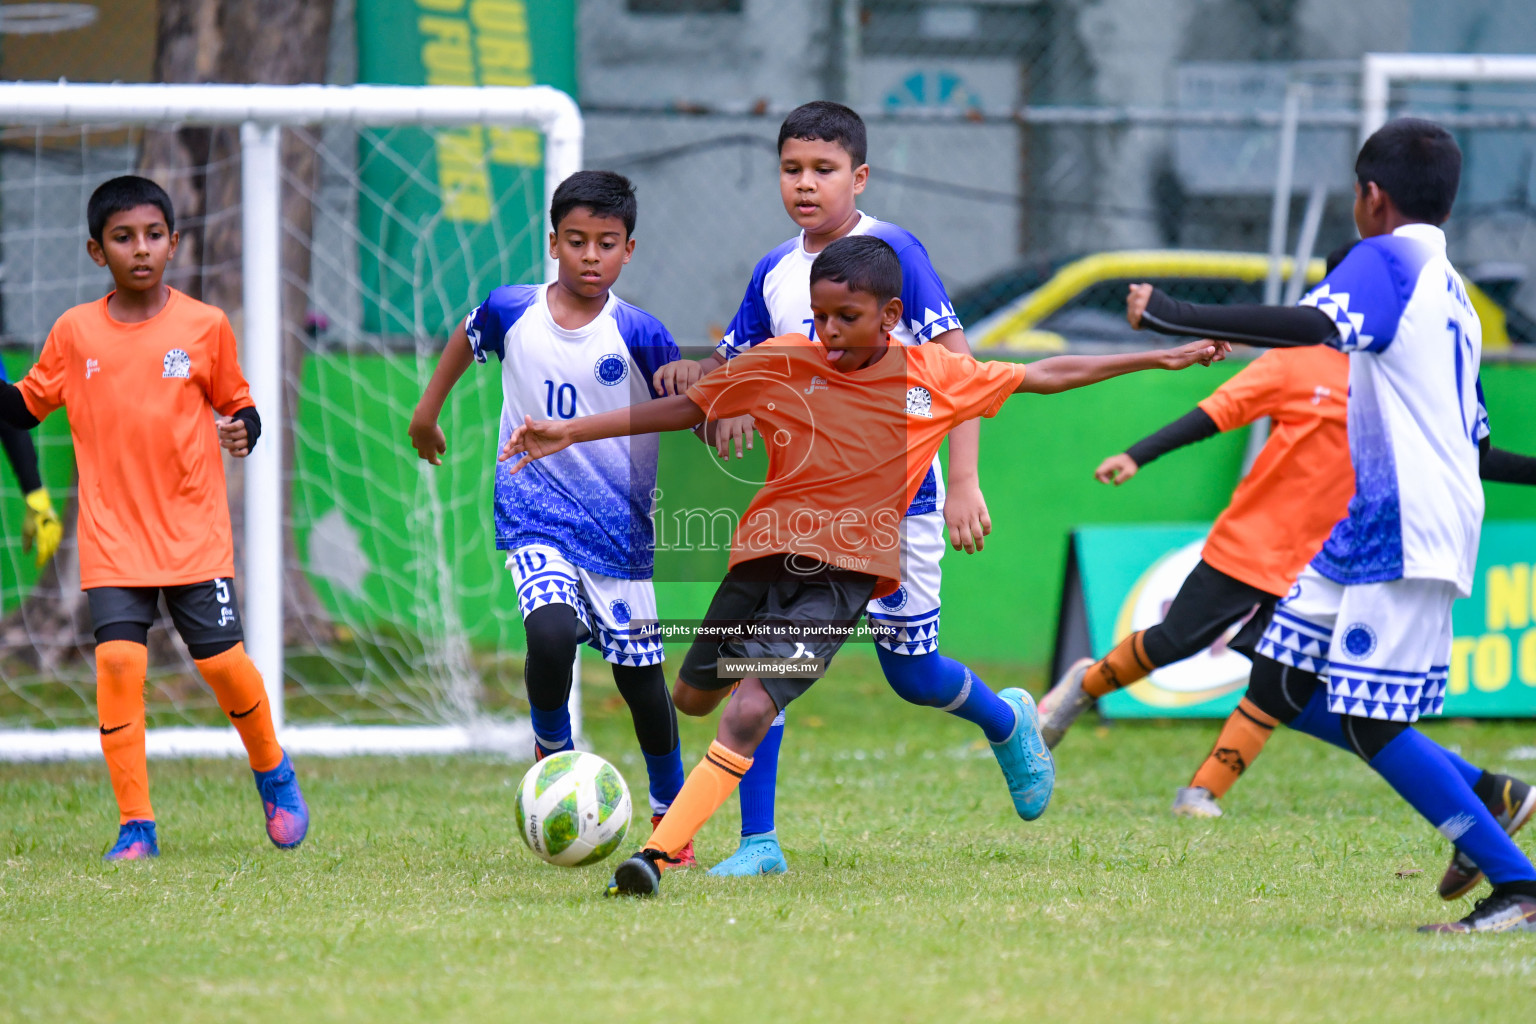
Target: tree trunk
x=281, y=42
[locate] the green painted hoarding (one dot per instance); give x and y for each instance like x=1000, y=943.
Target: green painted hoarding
x=450, y=213
x=1128, y=574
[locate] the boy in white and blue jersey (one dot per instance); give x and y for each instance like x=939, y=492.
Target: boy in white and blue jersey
x=1366, y=631
x=822, y=147
x=577, y=530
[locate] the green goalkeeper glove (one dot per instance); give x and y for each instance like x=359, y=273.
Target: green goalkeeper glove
x=41, y=526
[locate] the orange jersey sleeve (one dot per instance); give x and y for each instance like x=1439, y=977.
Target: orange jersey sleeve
x=972, y=387
x=1254, y=391
x=44, y=385
x=227, y=390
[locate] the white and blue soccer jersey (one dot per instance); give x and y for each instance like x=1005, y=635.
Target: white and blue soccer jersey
x=592, y=501
x=778, y=302
x=1415, y=412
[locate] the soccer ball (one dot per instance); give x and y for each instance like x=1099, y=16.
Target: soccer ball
x=573, y=809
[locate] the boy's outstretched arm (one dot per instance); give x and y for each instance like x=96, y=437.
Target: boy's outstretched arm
x=426, y=436
x=537, y=439
x=965, y=508
x=1063, y=373
x=1264, y=326
x=1195, y=425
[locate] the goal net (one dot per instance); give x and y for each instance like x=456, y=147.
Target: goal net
x=344, y=231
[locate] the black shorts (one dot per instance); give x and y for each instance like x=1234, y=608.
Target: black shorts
x=779, y=607
x=204, y=613
x=1207, y=604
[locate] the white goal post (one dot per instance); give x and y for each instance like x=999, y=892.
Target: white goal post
x=261, y=111
x=1380, y=70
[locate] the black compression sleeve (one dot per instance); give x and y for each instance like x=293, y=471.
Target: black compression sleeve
x=252, y=420
x=13, y=408
x=23, y=455
x=1504, y=467
x=1265, y=326
x=1195, y=425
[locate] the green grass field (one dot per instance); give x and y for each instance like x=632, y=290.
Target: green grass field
x=914, y=894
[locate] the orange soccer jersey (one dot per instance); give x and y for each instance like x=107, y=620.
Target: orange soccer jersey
x=1301, y=483
x=141, y=399
x=847, y=452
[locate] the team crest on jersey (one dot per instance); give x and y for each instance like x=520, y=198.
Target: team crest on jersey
x=611, y=369
x=621, y=612
x=1359, y=641
x=919, y=403
x=177, y=364
x=895, y=602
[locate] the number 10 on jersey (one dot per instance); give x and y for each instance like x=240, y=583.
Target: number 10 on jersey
x=559, y=401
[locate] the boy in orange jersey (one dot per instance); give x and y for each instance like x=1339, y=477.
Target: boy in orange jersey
x=1278, y=517
x=852, y=423
x=153, y=390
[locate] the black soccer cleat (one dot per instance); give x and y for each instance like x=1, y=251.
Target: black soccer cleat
x=1512, y=809
x=1499, y=911
x=640, y=875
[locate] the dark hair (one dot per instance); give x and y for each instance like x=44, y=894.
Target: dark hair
x=124, y=193
x=862, y=262
x=826, y=121
x=604, y=193
x=1417, y=163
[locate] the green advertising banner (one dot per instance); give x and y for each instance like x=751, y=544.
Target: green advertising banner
x=450, y=213
x=1122, y=578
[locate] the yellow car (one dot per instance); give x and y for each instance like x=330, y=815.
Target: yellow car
x=1083, y=300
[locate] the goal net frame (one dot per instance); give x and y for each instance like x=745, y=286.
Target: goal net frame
x=260, y=112
x=1379, y=71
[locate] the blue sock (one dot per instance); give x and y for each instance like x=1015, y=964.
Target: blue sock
x=1419, y=770
x=551, y=729
x=666, y=775
x=935, y=681
x=759, y=787
x=1466, y=769
x=1316, y=720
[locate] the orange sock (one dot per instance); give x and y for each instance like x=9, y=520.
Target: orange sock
x=237, y=685
x=121, y=666
x=708, y=786
x=1124, y=665
x=1241, y=740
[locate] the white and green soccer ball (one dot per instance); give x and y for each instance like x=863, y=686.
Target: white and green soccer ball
x=573, y=809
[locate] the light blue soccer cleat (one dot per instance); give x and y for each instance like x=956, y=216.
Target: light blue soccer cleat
x=136, y=840
x=757, y=855
x=1025, y=759
x=287, y=813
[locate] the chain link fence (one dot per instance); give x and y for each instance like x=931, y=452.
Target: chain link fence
x=1016, y=138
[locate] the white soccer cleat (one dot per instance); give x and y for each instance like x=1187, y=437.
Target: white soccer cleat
x=1062, y=704
x=1195, y=802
